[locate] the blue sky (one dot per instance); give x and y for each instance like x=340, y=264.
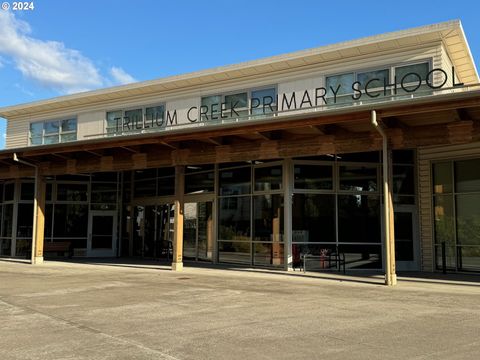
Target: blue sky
x=63, y=47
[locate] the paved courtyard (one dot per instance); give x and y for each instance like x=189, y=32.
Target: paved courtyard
x=144, y=311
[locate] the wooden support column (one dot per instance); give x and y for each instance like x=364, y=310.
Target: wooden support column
x=38, y=219
x=177, y=263
x=391, y=220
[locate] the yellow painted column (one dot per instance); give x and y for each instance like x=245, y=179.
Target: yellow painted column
x=177, y=261
x=39, y=220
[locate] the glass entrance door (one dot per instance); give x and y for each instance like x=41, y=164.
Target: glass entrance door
x=102, y=239
x=198, y=231
x=406, y=240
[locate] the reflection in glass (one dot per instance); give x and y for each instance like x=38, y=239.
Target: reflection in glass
x=234, y=219
x=467, y=175
x=70, y=220
x=313, y=218
x=444, y=220
x=403, y=180
x=442, y=178
x=468, y=219
x=315, y=177
x=268, y=218
x=72, y=192
x=25, y=220
x=359, y=218
x=358, y=178
x=261, y=97
x=362, y=256
x=268, y=254
x=235, y=181
x=268, y=178
x=234, y=252
x=102, y=231
x=199, y=182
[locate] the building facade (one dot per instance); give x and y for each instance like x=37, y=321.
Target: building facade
x=370, y=148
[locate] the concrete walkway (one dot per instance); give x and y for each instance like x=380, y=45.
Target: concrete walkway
x=107, y=310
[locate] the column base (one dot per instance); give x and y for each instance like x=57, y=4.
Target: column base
x=177, y=266
x=37, y=260
x=393, y=280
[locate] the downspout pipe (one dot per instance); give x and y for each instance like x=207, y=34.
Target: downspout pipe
x=390, y=276
x=35, y=205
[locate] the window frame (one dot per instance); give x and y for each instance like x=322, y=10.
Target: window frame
x=59, y=135
x=249, y=113
x=144, y=108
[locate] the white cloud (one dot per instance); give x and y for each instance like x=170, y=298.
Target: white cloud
x=120, y=76
x=51, y=63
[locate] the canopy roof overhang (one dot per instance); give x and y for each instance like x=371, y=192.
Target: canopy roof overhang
x=434, y=120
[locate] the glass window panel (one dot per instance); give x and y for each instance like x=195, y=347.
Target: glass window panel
x=234, y=252
x=268, y=218
x=70, y=220
x=104, y=193
x=210, y=100
x=134, y=118
x=315, y=177
x=7, y=220
x=36, y=129
x=313, y=264
x=313, y=218
x=420, y=69
x=344, y=81
x=51, y=139
x=199, y=183
x=105, y=177
x=145, y=174
x=468, y=219
x=25, y=220
x=444, y=220
x=383, y=77
x=268, y=254
x=358, y=178
x=469, y=258
x=114, y=121
x=9, y=191
x=27, y=191
x=68, y=137
x=442, y=178
x=36, y=140
x=51, y=127
x=5, y=247
x=144, y=188
x=69, y=125
x=362, y=256
x=72, y=192
x=234, y=219
x=238, y=100
x=403, y=156
x=450, y=256
x=359, y=218
x=235, y=181
x=268, y=178
x=467, y=175
x=166, y=186
x=403, y=180
x=403, y=236
x=23, y=248
x=264, y=96
x=154, y=115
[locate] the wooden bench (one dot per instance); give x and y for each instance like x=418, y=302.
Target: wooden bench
x=64, y=247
